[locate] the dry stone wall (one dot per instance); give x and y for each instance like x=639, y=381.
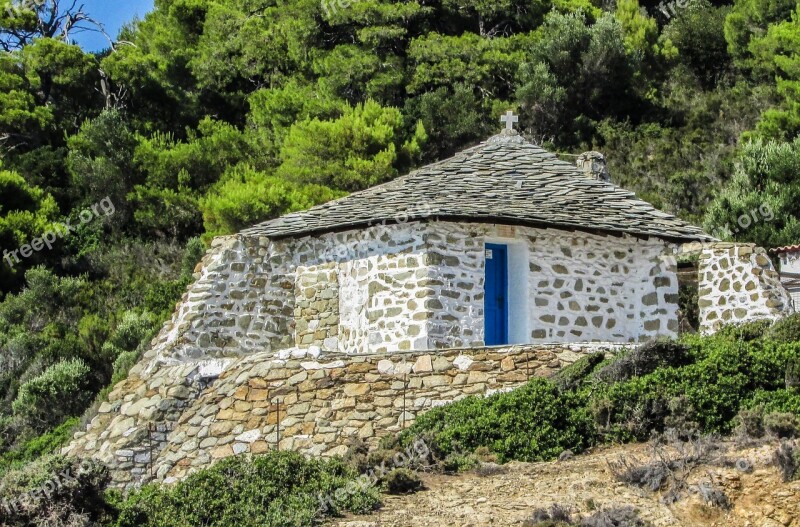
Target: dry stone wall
x=190, y=415
x=738, y=283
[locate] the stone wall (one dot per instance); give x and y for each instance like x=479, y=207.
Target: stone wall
x=316, y=310
x=417, y=286
x=297, y=401
x=563, y=287
x=738, y=283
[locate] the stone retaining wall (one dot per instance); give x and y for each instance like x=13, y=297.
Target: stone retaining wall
x=294, y=401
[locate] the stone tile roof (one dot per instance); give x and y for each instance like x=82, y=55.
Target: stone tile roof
x=504, y=180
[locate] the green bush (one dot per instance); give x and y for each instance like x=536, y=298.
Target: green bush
x=573, y=375
x=277, y=489
x=57, y=492
x=643, y=360
x=59, y=392
x=46, y=443
x=532, y=423
x=776, y=401
x=695, y=385
x=781, y=424
x=721, y=378
x=785, y=330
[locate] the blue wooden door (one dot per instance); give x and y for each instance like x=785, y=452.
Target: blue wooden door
x=495, y=303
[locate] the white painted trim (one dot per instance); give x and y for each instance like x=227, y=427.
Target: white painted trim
x=518, y=272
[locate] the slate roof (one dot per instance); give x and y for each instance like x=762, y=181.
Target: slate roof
x=504, y=180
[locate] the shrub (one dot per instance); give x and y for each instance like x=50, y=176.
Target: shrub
x=46, y=443
x=786, y=330
x=720, y=379
x=776, y=401
x=123, y=364
x=534, y=422
x=644, y=359
x=59, y=392
x=651, y=475
x=402, y=481
x=746, y=332
x=485, y=470
x=573, y=375
x=555, y=516
x=485, y=455
x=277, y=489
x=458, y=462
x=668, y=467
x=782, y=425
x=615, y=517
x=714, y=496
x=57, y=492
x=751, y=422
x=787, y=459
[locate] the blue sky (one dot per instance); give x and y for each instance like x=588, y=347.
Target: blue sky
x=113, y=14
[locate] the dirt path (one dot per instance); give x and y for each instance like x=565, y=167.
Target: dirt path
x=584, y=484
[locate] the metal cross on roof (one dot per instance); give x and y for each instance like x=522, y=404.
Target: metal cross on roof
x=509, y=118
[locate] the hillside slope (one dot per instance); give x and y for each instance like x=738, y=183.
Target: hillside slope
x=586, y=483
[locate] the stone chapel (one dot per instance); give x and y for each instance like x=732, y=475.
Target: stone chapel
x=467, y=276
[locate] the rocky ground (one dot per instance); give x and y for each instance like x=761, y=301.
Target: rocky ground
x=586, y=483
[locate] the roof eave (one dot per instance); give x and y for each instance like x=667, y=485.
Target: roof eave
x=499, y=220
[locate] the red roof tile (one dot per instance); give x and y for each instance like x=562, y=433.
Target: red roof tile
x=787, y=249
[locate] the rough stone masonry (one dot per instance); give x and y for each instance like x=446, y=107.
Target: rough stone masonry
x=348, y=319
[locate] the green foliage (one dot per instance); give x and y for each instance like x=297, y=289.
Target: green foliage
x=26, y=212
x=574, y=375
x=452, y=116
x=749, y=20
x=277, y=489
x=532, y=423
x=60, y=391
x=100, y=162
x=723, y=375
x=778, y=54
x=783, y=401
x=60, y=491
x=785, y=330
x=762, y=201
x=697, y=33
x=361, y=148
x=245, y=197
x=576, y=73
x=37, y=447
x=699, y=385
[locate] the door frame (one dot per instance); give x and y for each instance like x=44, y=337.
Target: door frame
x=505, y=325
